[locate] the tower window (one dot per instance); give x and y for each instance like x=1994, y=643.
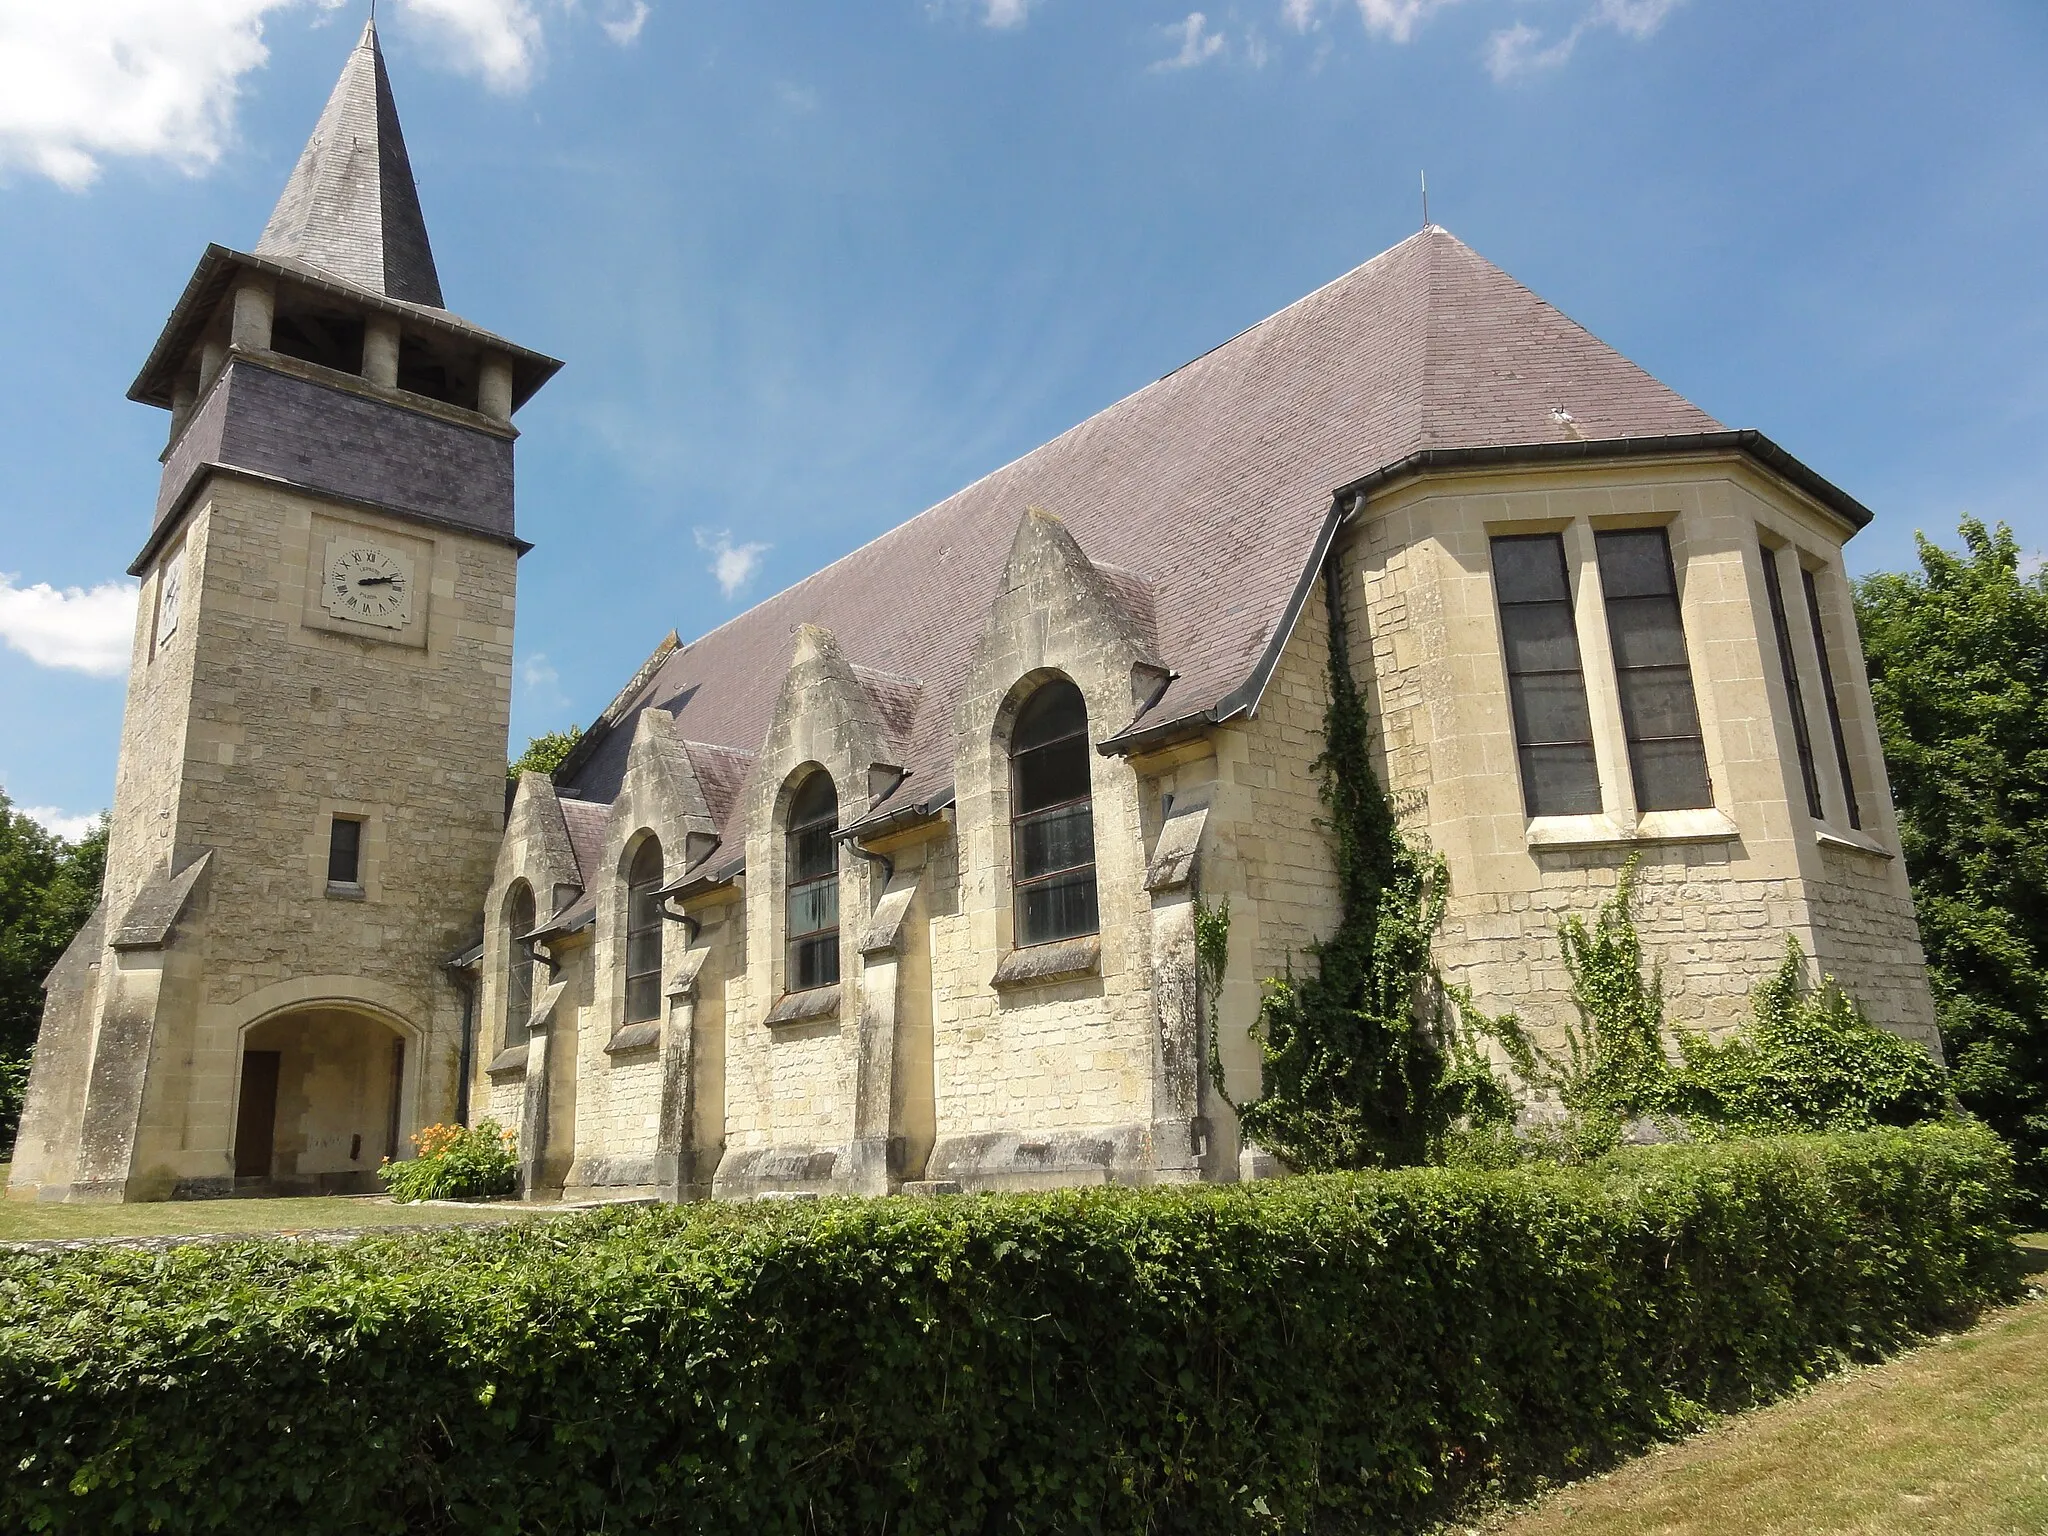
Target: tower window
x=1666, y=750
x=1052, y=825
x=345, y=851
x=1801, y=737
x=1546, y=678
x=643, y=934
x=1827, y=687
x=813, y=878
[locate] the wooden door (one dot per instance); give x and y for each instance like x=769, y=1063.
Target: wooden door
x=256, y=1119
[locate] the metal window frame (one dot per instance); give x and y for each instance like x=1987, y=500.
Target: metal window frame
x=1020, y=885
x=1788, y=665
x=791, y=939
x=1634, y=738
x=652, y=888
x=1523, y=743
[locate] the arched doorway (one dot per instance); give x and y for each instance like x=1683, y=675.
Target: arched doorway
x=321, y=1102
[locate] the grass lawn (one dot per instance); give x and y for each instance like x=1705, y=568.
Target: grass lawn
x=21, y=1220
x=1950, y=1440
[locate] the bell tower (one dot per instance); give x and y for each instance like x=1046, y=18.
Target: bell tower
x=311, y=782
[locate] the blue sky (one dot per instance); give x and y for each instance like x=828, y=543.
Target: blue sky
x=814, y=266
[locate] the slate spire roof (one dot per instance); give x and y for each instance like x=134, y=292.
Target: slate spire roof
x=1212, y=493
x=351, y=208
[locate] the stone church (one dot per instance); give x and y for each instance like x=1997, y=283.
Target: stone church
x=889, y=883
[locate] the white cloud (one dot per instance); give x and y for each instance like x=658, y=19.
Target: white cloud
x=498, y=40
x=624, y=29
x=1198, y=44
x=1520, y=49
x=80, y=630
x=66, y=825
x=85, y=81
x=1396, y=20
x=537, y=675
x=799, y=100
x=1002, y=15
x=733, y=565
x=1302, y=15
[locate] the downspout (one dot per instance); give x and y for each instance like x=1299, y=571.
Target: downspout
x=676, y=914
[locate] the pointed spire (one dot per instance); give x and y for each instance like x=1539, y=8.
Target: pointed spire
x=351, y=208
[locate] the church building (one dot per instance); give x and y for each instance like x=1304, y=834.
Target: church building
x=890, y=883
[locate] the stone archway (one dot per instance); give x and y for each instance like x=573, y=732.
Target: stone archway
x=321, y=1101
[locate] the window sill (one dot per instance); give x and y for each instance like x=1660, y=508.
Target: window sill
x=1548, y=833
x=805, y=1007
x=338, y=890
x=1701, y=826
x=1855, y=842
x=1576, y=832
x=634, y=1037
x=510, y=1062
x=1060, y=961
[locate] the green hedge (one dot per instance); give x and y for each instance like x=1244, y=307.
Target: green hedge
x=1352, y=1352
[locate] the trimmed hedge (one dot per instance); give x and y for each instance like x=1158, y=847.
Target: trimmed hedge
x=1352, y=1352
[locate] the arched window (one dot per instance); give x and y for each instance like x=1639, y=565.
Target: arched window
x=519, y=922
x=813, y=886
x=1052, y=819
x=643, y=934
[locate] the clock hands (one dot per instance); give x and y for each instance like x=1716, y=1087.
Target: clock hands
x=378, y=581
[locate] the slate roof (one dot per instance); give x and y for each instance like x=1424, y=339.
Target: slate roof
x=585, y=822
x=351, y=207
x=1210, y=492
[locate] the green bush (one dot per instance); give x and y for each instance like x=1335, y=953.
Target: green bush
x=1810, y=1061
x=1352, y=1352
x=455, y=1164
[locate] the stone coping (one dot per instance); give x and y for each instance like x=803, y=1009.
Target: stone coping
x=805, y=1007
x=1038, y=963
x=634, y=1037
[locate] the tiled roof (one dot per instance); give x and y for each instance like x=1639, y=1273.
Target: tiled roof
x=586, y=823
x=1207, y=492
x=351, y=207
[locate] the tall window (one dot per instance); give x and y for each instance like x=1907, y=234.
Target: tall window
x=643, y=934
x=1052, y=817
x=519, y=963
x=1666, y=751
x=1801, y=737
x=1546, y=680
x=1827, y=686
x=813, y=958
x=345, y=851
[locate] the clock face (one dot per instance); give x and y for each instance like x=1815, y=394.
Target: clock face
x=367, y=583
x=170, y=594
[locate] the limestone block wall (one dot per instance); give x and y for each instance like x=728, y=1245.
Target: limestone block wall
x=1720, y=888
x=1051, y=1075
x=247, y=731
x=1264, y=853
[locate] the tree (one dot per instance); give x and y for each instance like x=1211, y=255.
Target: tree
x=48, y=888
x=544, y=753
x=1958, y=655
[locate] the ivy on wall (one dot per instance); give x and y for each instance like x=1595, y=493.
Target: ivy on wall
x=1370, y=1059
x=1809, y=1061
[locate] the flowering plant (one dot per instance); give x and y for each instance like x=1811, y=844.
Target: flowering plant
x=455, y=1163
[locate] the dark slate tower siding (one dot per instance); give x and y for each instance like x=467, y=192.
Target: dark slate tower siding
x=341, y=443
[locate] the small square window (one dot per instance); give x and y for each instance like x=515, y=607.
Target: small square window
x=345, y=851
